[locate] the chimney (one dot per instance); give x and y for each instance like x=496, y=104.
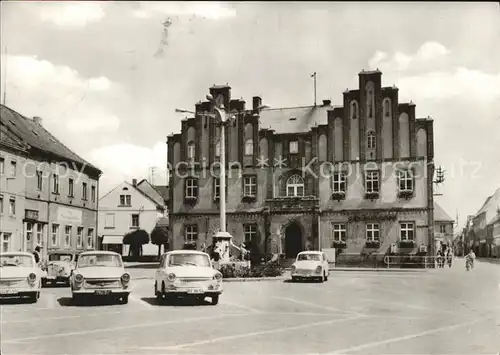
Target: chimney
x=134, y=182
x=327, y=102
x=37, y=120
x=256, y=102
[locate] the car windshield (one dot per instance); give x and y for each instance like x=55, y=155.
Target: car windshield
x=100, y=260
x=189, y=259
x=60, y=257
x=315, y=257
x=16, y=260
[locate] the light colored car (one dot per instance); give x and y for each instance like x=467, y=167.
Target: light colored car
x=310, y=265
x=59, y=266
x=20, y=275
x=100, y=273
x=187, y=273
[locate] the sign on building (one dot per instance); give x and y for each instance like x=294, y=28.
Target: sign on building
x=69, y=215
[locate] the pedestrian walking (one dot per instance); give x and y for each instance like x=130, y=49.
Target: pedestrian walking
x=449, y=258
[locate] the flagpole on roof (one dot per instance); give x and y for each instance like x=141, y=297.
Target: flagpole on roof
x=314, y=76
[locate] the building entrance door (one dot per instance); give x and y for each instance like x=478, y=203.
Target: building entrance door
x=293, y=240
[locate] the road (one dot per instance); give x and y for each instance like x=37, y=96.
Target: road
x=446, y=311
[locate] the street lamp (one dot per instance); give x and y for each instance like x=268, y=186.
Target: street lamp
x=178, y=110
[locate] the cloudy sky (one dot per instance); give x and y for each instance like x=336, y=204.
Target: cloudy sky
x=107, y=77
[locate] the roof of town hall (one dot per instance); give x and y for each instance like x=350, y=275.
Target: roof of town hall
x=440, y=215
x=36, y=136
x=294, y=119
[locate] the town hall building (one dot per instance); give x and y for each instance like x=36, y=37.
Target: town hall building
x=356, y=177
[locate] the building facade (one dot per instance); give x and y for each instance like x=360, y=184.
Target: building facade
x=443, y=227
x=56, y=190
x=129, y=207
x=483, y=242
x=357, y=177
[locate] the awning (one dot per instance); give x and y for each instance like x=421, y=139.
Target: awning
x=112, y=239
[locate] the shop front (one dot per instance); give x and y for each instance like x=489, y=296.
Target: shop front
x=35, y=231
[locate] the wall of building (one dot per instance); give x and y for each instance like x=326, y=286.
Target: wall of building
x=12, y=187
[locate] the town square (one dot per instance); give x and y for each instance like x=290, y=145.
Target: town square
x=249, y=178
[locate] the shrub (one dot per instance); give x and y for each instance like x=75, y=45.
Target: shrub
x=271, y=269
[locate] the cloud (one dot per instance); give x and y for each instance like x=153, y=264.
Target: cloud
x=61, y=95
x=210, y=10
x=126, y=161
x=429, y=73
x=71, y=14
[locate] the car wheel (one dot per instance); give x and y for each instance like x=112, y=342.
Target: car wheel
x=322, y=278
x=326, y=276
x=44, y=282
x=33, y=298
x=215, y=300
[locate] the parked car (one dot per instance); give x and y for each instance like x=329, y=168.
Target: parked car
x=100, y=273
x=187, y=273
x=20, y=276
x=310, y=265
x=59, y=266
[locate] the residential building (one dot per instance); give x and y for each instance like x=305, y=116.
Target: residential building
x=357, y=177
x=55, y=190
x=482, y=242
x=493, y=233
x=129, y=207
x=443, y=227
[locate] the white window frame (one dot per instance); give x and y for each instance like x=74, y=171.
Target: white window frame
x=126, y=199
x=132, y=225
x=90, y=238
x=216, y=187
x=39, y=233
x=39, y=180
x=293, y=147
x=295, y=184
x=13, y=168
x=372, y=177
x=405, y=177
x=191, y=150
x=54, y=235
x=339, y=180
x=190, y=233
x=79, y=237
x=339, y=230
x=112, y=220
x=372, y=232
x=12, y=206
x=55, y=183
x=6, y=241
x=249, y=147
x=404, y=229
x=250, y=185
x=71, y=187
x=371, y=140
x=191, y=190
x=250, y=232
x=67, y=236
x=442, y=228
x=217, y=149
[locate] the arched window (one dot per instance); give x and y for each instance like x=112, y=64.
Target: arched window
x=190, y=150
x=217, y=149
x=295, y=186
x=354, y=109
x=249, y=147
x=387, y=107
x=371, y=140
x=369, y=103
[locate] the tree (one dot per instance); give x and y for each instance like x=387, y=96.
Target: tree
x=159, y=236
x=136, y=239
